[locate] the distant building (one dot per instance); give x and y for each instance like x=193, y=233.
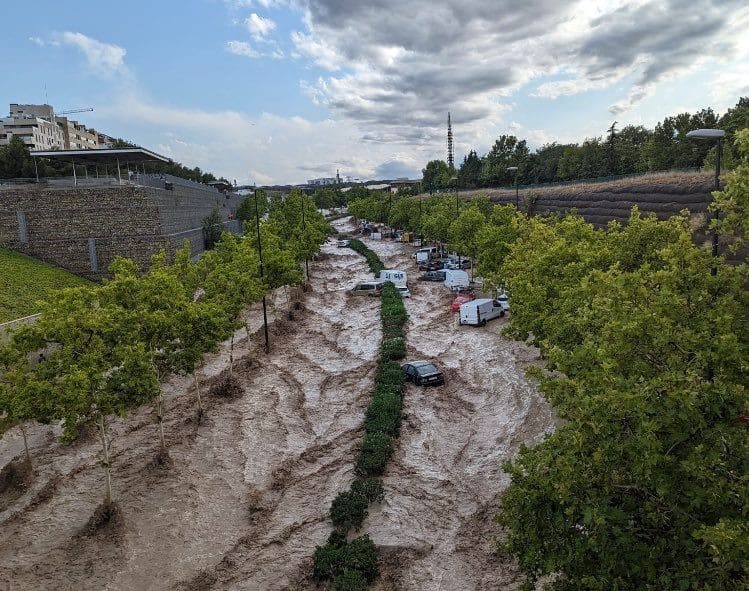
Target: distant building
x=35, y=125
x=322, y=181
x=41, y=129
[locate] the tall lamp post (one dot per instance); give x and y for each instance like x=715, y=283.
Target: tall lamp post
x=260, y=254
x=717, y=135
x=517, y=197
x=454, y=183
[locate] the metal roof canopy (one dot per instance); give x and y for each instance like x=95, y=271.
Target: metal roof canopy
x=106, y=156
x=115, y=157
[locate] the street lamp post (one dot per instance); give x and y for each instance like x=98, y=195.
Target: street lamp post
x=517, y=198
x=260, y=255
x=454, y=182
x=717, y=135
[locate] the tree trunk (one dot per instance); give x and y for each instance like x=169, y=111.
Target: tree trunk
x=25, y=444
x=106, y=462
x=160, y=418
x=197, y=392
x=231, y=356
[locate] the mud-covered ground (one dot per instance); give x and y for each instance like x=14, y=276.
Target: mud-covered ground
x=245, y=499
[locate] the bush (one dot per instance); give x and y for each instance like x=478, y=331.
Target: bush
x=350, y=580
x=337, y=560
x=384, y=414
x=374, y=454
x=362, y=556
x=374, y=262
x=393, y=349
x=330, y=558
x=369, y=488
x=348, y=510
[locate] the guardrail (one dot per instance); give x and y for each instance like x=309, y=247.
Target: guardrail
x=7, y=328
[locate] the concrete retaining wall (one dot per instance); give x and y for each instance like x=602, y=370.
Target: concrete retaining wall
x=82, y=229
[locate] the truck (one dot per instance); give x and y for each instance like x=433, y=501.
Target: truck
x=395, y=275
x=455, y=279
x=479, y=312
x=425, y=253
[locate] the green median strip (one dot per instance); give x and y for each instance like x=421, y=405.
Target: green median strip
x=352, y=566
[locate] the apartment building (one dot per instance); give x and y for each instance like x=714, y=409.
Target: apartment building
x=41, y=129
x=35, y=125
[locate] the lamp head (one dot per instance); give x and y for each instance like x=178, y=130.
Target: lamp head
x=706, y=134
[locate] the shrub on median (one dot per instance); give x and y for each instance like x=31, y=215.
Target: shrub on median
x=374, y=454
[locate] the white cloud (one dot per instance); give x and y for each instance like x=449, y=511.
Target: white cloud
x=259, y=26
x=242, y=48
x=557, y=88
x=728, y=85
x=270, y=148
x=104, y=58
x=37, y=41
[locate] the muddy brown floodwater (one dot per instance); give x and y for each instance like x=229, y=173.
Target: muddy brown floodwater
x=245, y=499
x=442, y=486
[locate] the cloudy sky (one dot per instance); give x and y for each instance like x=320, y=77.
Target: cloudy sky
x=278, y=91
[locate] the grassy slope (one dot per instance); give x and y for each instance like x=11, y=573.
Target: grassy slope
x=24, y=281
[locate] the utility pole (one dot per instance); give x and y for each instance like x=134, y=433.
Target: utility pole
x=260, y=254
x=304, y=224
x=612, y=152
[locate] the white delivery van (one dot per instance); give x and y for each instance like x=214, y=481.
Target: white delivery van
x=479, y=312
x=455, y=278
x=396, y=276
x=425, y=253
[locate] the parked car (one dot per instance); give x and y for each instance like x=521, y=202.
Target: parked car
x=368, y=288
x=342, y=243
x=403, y=290
x=430, y=266
x=433, y=276
x=479, y=312
x=463, y=296
x=423, y=373
x=504, y=300
x=455, y=265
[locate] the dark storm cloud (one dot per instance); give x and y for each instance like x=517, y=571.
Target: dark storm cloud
x=399, y=65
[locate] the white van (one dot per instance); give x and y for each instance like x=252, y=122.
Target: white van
x=396, y=276
x=425, y=253
x=479, y=312
x=368, y=288
x=455, y=278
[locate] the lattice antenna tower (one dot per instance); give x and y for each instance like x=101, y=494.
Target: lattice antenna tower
x=450, y=155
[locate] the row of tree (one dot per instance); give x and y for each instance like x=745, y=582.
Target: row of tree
x=16, y=162
x=631, y=149
x=101, y=351
x=644, y=484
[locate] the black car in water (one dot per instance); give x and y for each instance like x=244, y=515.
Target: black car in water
x=423, y=373
x=433, y=276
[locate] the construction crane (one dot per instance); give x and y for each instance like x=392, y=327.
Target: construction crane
x=75, y=111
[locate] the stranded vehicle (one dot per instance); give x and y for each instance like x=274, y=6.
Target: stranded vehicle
x=397, y=277
x=433, y=276
x=455, y=279
x=423, y=373
x=342, y=243
x=478, y=312
x=368, y=288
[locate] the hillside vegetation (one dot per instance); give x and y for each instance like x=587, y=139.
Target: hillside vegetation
x=24, y=281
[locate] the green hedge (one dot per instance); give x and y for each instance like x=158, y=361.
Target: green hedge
x=374, y=262
x=351, y=567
